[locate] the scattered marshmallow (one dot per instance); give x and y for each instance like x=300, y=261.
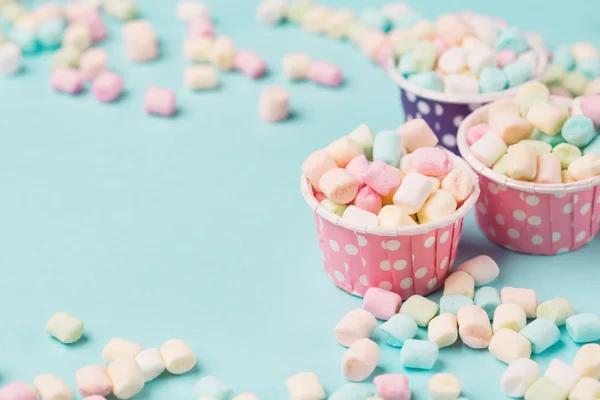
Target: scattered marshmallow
x=118, y=348
x=274, y=104
x=357, y=324
x=93, y=380
x=177, y=356
x=51, y=387
x=65, y=327
x=360, y=360
x=126, y=376
x=151, y=363
x=305, y=385
x=519, y=376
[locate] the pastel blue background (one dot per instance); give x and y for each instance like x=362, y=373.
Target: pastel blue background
x=194, y=227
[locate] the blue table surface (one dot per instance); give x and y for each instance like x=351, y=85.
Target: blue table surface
x=194, y=227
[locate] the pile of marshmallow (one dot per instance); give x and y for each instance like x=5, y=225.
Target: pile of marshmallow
x=532, y=139
x=466, y=54
x=574, y=70
x=485, y=318
x=394, y=178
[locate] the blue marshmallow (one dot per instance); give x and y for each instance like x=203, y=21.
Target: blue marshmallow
x=406, y=65
x=50, y=33
x=564, y=56
x=590, y=68
x=492, y=79
x=353, y=391
x=584, y=328
x=418, y=354
x=375, y=18
x=387, y=147
x=453, y=302
x=551, y=140
x=593, y=147
x=26, y=40
x=542, y=333
x=517, y=73
x=579, y=130
x=398, y=329
x=511, y=38
x=428, y=80
x=211, y=387
x=488, y=298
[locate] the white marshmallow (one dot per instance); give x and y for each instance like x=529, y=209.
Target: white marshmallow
x=360, y=217
x=10, y=59
x=117, y=348
x=295, y=66
x=522, y=162
x=51, y=387
x=224, y=50
x=444, y=387
x=126, y=376
x=338, y=23
x=65, y=327
x=510, y=316
x=360, y=360
x=508, y=346
x=489, y=149
x=151, y=363
x=519, y=376
x=198, y=49
x=483, y=269
x=587, y=360
x=188, y=10
x=200, y=77
x=271, y=12
x=587, y=389
x=585, y=167
x=562, y=374
x=530, y=58
x=481, y=57
x=443, y=330
x=452, y=61
x=413, y=192
x=485, y=28
x=305, y=385
x=177, y=356
x=461, y=84
x=77, y=36
x=585, y=51
x=357, y=324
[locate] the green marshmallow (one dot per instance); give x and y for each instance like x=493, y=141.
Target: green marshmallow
x=337, y=209
x=554, y=75
x=428, y=80
x=297, y=10
x=355, y=31
x=551, y=140
x=567, y=153
x=424, y=56
x=501, y=166
x=66, y=57
x=575, y=83
x=545, y=388
x=539, y=146
x=405, y=45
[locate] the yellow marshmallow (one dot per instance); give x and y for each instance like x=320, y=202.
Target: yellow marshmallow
x=509, y=316
x=510, y=128
x=391, y=215
x=585, y=167
x=439, y=205
x=522, y=162
x=508, y=346
x=459, y=283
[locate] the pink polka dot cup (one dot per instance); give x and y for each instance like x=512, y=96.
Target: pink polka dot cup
x=406, y=260
x=528, y=217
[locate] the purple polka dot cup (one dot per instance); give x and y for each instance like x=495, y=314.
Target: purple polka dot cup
x=528, y=217
x=405, y=260
x=444, y=112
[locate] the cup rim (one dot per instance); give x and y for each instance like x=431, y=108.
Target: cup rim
x=480, y=98
x=505, y=181
x=335, y=219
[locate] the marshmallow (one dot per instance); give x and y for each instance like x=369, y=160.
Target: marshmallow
x=77, y=36
x=474, y=327
x=357, y=324
x=489, y=148
x=271, y=12
x=381, y=303
x=492, y=79
x=556, y=310
x=587, y=388
x=360, y=360
x=522, y=162
x=519, y=376
x=481, y=57
x=391, y=215
x=585, y=51
x=526, y=298
x=151, y=363
x=443, y=330
x=431, y=161
x=398, y=329
x=518, y=72
x=545, y=389
x=360, y=217
x=587, y=360
x=250, y=64
x=51, y=387
x=316, y=165
x=212, y=387
x=201, y=27
x=461, y=84
x=93, y=62
x=387, y=147
x=339, y=185
x=584, y=328
x=414, y=190
x=510, y=128
x=120, y=9
x=444, y=386
x=325, y=74
x=18, y=391
x=562, y=374
x=316, y=19
x=274, y=104
x=198, y=49
x=590, y=107
x=118, y=348
x=547, y=117
x=295, y=66
x=579, y=130
x=339, y=22
x=67, y=80
x=159, y=101
x=459, y=183
x=420, y=309
x=548, y=169
x=177, y=356
x=352, y=391
x=368, y=200
x=483, y=269
x=93, y=380
x=439, y=205
x=503, y=106
x=453, y=302
x=453, y=61
x=188, y=9
x=65, y=327
x=358, y=166
x=223, y=53
x=382, y=178
x=337, y=209
x=585, y=167
x=416, y=134
x=344, y=150
x=126, y=376
x=488, y=298
x=542, y=334
x=246, y=396
x=392, y=386
x=510, y=316
x=418, y=354
x=364, y=136
x=10, y=59
x=530, y=94
x=474, y=133
x=508, y=346
x=459, y=283
x=200, y=77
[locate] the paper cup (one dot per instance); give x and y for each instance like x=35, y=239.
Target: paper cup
x=444, y=112
x=405, y=260
x=529, y=217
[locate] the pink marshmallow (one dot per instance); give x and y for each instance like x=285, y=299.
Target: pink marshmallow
x=357, y=167
x=590, y=107
x=431, y=161
x=560, y=91
x=93, y=379
x=416, y=133
x=160, y=101
x=383, y=54
x=505, y=57
x=392, y=387
x=250, y=64
x=93, y=61
x=440, y=45
x=201, y=27
x=381, y=303
x=18, y=391
x=67, y=80
x=95, y=22
x=396, y=35
x=369, y=200
x=107, y=87
x=325, y=73
x=339, y=185
x=382, y=178
x=476, y=132
x=316, y=165
x=548, y=169
x=320, y=196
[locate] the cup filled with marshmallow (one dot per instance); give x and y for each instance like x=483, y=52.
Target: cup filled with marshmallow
x=574, y=70
x=538, y=160
x=388, y=208
x=447, y=68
